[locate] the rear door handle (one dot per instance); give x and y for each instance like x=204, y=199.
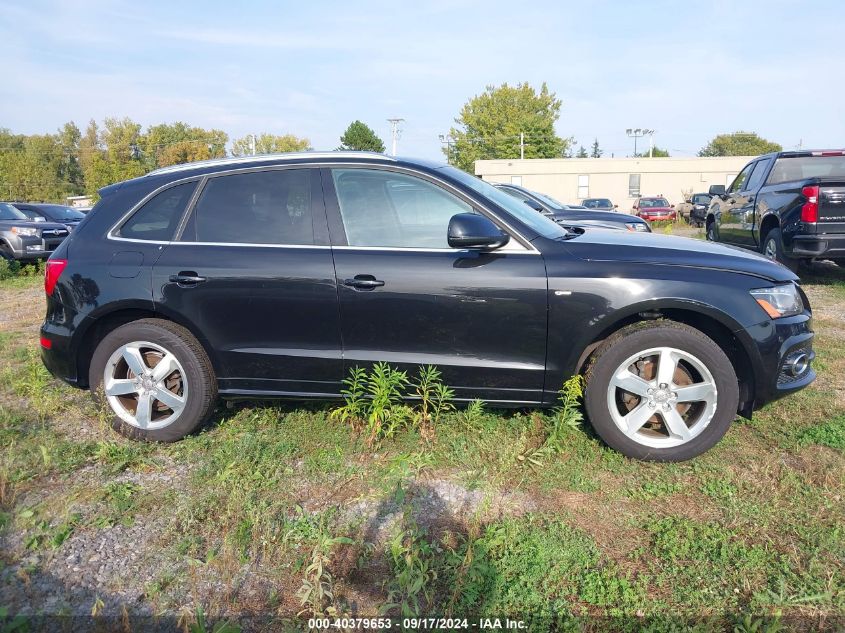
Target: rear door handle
x=363, y=282
x=186, y=279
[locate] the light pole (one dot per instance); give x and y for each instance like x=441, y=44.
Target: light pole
x=394, y=124
x=638, y=132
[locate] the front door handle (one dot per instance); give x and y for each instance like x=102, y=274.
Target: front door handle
x=363, y=282
x=186, y=279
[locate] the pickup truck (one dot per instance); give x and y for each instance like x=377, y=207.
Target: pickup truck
x=694, y=210
x=788, y=205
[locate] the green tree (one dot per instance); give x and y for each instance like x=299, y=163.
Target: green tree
x=596, y=151
x=582, y=152
x=270, y=144
x=111, y=154
x=174, y=143
x=656, y=152
x=70, y=171
x=360, y=136
x=739, y=144
x=490, y=124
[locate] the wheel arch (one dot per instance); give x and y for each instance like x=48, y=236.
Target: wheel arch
x=715, y=324
x=105, y=322
x=770, y=221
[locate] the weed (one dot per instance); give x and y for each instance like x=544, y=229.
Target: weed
x=413, y=559
x=385, y=387
x=354, y=395
x=830, y=434
x=435, y=399
x=470, y=417
x=120, y=500
x=316, y=595
x=197, y=623
x=565, y=417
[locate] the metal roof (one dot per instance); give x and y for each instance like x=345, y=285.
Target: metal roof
x=246, y=160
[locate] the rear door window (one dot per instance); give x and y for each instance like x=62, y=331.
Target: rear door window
x=158, y=218
x=264, y=207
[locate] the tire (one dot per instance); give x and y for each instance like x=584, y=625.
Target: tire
x=772, y=247
x=654, y=418
x=712, y=232
x=188, y=391
x=6, y=253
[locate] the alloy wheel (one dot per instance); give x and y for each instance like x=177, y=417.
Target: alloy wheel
x=662, y=397
x=145, y=385
x=771, y=250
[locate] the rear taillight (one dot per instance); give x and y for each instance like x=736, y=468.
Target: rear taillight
x=55, y=267
x=810, y=209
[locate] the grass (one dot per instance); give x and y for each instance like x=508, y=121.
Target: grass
x=481, y=512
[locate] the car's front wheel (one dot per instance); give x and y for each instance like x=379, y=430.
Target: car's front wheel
x=712, y=231
x=661, y=391
x=155, y=378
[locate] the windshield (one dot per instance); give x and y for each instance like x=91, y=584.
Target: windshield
x=60, y=212
x=701, y=199
x=8, y=212
x=525, y=214
x=653, y=203
x=598, y=203
x=32, y=215
x=548, y=200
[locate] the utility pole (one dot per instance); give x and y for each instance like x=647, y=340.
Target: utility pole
x=394, y=132
x=521, y=146
x=252, y=143
x=447, y=140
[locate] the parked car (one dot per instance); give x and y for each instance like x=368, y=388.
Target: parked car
x=655, y=209
x=788, y=205
x=24, y=239
x=574, y=215
x=274, y=276
x=695, y=211
x=59, y=213
x=599, y=204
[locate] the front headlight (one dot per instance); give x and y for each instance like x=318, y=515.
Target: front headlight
x=636, y=226
x=779, y=301
x=23, y=230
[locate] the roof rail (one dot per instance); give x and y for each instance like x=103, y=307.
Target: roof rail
x=240, y=160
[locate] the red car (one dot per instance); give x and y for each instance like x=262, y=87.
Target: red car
x=655, y=209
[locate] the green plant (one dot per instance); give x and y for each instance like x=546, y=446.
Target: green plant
x=8, y=268
x=384, y=412
x=567, y=415
x=354, y=395
x=471, y=416
x=830, y=434
x=198, y=624
x=435, y=399
x=318, y=584
x=412, y=557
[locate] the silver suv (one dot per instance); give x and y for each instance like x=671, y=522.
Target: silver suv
x=24, y=239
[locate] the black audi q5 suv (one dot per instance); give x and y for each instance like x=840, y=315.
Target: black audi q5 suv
x=273, y=276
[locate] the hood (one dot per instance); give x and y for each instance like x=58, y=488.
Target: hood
x=667, y=250
x=606, y=217
x=656, y=210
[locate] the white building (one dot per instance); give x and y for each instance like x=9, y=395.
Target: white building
x=570, y=180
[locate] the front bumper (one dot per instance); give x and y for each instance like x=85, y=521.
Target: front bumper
x=31, y=247
x=822, y=245
x=658, y=218
x=778, y=343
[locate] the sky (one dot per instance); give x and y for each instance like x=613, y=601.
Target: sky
x=687, y=69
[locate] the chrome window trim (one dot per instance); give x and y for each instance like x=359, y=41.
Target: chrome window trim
x=202, y=180
x=111, y=234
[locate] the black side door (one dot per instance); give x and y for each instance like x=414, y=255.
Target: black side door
x=251, y=270
x=408, y=299
x=736, y=210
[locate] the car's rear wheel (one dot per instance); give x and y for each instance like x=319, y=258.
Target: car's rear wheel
x=772, y=247
x=661, y=392
x=155, y=378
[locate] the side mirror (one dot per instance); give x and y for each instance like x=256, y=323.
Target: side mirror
x=470, y=230
x=636, y=207
x=716, y=190
x=615, y=206
x=671, y=206
x=535, y=205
